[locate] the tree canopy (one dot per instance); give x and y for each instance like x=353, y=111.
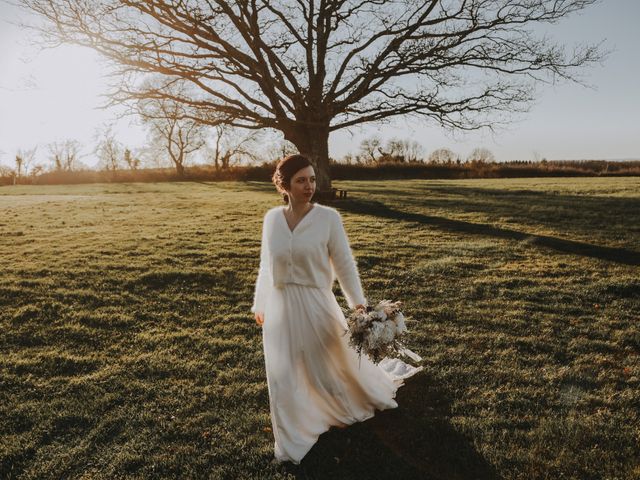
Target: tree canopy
x=311, y=67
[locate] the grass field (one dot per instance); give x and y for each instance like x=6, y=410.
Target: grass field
x=128, y=349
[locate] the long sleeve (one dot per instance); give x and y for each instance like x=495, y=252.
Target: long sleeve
x=263, y=282
x=344, y=263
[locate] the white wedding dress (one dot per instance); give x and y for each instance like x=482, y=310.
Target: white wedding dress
x=315, y=379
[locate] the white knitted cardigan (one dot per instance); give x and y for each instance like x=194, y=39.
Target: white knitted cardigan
x=315, y=253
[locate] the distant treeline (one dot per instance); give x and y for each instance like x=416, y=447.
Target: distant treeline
x=343, y=171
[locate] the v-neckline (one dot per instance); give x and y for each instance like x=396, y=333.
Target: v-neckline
x=284, y=217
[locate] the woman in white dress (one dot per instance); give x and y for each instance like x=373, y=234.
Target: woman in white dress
x=315, y=379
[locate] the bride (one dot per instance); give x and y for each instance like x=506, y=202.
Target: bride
x=314, y=378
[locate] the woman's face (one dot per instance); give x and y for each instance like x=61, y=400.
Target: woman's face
x=303, y=185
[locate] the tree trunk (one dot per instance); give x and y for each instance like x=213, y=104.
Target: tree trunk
x=314, y=143
x=226, y=158
x=180, y=169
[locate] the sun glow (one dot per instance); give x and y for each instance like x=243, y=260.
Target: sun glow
x=51, y=95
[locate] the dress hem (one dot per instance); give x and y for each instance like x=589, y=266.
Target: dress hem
x=370, y=415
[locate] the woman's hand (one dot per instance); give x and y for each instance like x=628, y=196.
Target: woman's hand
x=259, y=318
x=360, y=306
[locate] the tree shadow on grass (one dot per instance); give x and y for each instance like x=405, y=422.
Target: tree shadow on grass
x=257, y=185
x=414, y=441
x=551, y=208
x=378, y=209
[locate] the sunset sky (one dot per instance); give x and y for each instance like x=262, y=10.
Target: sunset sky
x=53, y=94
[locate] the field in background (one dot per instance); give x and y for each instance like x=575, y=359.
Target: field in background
x=379, y=170
x=128, y=348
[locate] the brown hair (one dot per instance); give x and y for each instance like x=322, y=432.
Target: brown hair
x=285, y=170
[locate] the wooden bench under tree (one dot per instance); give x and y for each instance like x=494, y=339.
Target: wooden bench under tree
x=330, y=195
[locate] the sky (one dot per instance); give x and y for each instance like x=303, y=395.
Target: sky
x=54, y=94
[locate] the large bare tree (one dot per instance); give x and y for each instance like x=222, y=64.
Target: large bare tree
x=311, y=67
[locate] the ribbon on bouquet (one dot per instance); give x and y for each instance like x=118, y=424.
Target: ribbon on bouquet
x=408, y=353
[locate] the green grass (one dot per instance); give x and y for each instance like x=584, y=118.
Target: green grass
x=128, y=349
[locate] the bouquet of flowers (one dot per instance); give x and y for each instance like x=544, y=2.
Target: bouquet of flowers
x=376, y=331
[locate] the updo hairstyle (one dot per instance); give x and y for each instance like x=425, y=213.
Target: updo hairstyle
x=285, y=170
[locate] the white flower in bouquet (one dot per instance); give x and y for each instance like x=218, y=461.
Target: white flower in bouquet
x=372, y=336
x=362, y=322
x=371, y=343
x=376, y=329
x=400, y=325
x=388, y=332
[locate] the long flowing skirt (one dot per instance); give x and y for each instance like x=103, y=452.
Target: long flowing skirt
x=315, y=379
